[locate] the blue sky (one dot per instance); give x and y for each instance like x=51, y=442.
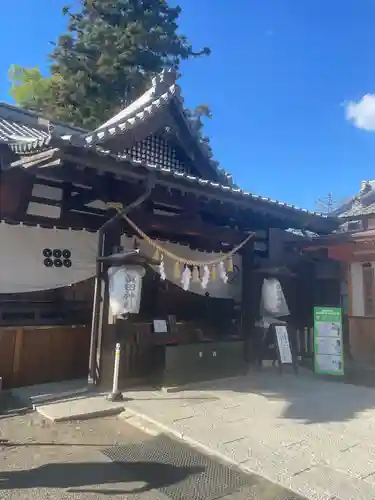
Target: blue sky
x=283, y=80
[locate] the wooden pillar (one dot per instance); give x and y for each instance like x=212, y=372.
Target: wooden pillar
x=276, y=247
x=249, y=300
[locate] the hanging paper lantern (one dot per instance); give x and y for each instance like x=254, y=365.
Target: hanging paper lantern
x=230, y=265
x=213, y=273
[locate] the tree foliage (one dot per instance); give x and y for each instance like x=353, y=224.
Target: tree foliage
x=106, y=59
x=29, y=88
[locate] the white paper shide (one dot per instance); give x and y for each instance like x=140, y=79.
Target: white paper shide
x=125, y=288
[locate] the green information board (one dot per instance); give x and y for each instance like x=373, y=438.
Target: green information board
x=328, y=342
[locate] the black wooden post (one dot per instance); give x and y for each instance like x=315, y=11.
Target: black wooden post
x=112, y=240
x=99, y=293
x=249, y=305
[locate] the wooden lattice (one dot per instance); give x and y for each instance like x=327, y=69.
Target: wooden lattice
x=156, y=150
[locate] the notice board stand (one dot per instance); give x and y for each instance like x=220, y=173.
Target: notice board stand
x=277, y=341
x=328, y=341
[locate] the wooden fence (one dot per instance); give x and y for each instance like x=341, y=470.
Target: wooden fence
x=36, y=355
x=362, y=338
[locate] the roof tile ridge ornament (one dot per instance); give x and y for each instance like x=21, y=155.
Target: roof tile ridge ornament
x=34, y=145
x=204, y=145
x=164, y=81
x=162, y=90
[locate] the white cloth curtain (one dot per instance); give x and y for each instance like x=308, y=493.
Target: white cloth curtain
x=23, y=252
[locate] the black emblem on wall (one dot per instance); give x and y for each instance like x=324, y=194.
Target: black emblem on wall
x=56, y=257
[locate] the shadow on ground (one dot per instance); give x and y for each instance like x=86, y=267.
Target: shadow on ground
x=77, y=477
x=306, y=397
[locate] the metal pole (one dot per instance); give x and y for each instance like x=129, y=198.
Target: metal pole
x=116, y=395
x=96, y=312
x=95, y=327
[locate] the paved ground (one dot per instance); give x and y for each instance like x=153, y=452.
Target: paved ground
x=313, y=436
x=42, y=460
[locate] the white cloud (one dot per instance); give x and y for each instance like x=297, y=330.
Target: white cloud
x=362, y=113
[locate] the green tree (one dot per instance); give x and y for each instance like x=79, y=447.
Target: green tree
x=106, y=59
x=29, y=88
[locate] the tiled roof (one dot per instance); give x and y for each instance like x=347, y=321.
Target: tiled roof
x=358, y=209
x=361, y=204
x=163, y=91
x=27, y=129
x=11, y=130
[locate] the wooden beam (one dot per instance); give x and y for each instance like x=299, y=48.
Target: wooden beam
x=15, y=190
x=105, y=187
x=212, y=211
x=185, y=226
x=279, y=215
x=74, y=221
x=126, y=170
x=174, y=228
x=45, y=201
x=104, y=190
x=105, y=164
x=26, y=161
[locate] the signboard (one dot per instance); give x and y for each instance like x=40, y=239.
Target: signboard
x=328, y=343
x=276, y=345
x=282, y=338
x=160, y=326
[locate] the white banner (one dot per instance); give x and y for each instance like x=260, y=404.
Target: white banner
x=35, y=258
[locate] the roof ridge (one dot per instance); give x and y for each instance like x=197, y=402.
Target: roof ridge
x=163, y=90
x=15, y=109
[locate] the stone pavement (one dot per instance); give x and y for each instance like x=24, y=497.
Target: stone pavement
x=71, y=460
x=313, y=436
